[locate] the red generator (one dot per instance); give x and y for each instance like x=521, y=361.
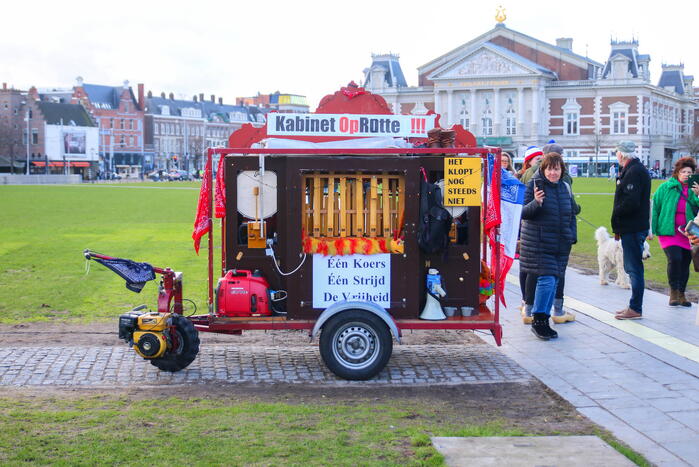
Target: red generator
x=242, y=293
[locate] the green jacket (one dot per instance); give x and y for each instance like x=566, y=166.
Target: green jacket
x=665, y=202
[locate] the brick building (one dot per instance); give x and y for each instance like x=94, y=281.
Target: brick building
x=62, y=138
x=180, y=130
x=513, y=91
x=119, y=118
x=13, y=149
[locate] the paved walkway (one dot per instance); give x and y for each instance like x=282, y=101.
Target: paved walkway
x=638, y=379
x=119, y=366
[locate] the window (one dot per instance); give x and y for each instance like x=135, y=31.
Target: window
x=487, y=119
x=510, y=118
x=35, y=136
x=619, y=123
x=131, y=124
x=122, y=124
x=571, y=123
x=487, y=124
x=571, y=117
x=464, y=117
x=618, y=113
x=121, y=140
x=126, y=106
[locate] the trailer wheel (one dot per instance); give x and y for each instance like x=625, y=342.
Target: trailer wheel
x=355, y=344
x=187, y=348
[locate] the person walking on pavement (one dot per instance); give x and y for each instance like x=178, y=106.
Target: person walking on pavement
x=532, y=156
x=548, y=232
x=674, y=205
x=528, y=284
x=630, y=221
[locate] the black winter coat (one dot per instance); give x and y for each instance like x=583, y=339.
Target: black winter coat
x=548, y=231
x=631, y=212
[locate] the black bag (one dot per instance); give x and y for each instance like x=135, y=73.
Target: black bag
x=435, y=221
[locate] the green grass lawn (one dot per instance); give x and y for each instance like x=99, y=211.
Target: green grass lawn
x=224, y=431
x=44, y=229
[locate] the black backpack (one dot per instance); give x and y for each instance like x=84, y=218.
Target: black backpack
x=435, y=221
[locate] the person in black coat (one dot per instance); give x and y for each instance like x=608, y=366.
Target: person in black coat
x=630, y=221
x=548, y=232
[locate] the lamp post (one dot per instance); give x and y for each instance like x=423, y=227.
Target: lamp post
x=28, y=138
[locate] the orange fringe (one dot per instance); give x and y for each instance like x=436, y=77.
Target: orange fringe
x=351, y=245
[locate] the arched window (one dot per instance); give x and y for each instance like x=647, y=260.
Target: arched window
x=487, y=119
x=510, y=118
x=464, y=117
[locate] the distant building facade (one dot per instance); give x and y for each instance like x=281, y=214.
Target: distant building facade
x=281, y=102
x=180, y=130
x=13, y=130
x=513, y=91
x=119, y=118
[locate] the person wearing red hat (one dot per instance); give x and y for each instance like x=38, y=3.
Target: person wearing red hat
x=532, y=155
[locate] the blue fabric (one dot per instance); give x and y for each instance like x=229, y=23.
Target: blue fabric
x=632, y=244
x=543, y=297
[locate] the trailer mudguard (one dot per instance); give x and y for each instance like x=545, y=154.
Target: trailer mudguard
x=339, y=307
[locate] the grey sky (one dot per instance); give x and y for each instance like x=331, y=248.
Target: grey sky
x=305, y=47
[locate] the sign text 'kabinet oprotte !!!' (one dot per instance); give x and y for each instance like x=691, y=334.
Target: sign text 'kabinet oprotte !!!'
x=349, y=125
x=462, y=181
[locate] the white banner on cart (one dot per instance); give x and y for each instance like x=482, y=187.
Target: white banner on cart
x=363, y=278
x=414, y=126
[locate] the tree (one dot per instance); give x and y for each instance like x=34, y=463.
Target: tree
x=196, y=149
x=10, y=141
x=692, y=145
x=597, y=140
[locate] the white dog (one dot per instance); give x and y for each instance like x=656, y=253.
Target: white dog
x=610, y=256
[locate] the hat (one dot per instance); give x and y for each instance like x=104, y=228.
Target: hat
x=553, y=146
x=627, y=147
x=532, y=152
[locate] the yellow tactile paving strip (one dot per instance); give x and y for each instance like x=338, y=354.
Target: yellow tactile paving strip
x=635, y=328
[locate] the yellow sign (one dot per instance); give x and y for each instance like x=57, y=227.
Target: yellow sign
x=462, y=181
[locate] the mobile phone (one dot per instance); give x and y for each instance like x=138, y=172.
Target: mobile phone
x=538, y=186
x=693, y=179
x=692, y=229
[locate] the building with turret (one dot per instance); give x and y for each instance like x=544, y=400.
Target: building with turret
x=513, y=90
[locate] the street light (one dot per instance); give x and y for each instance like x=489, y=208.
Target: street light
x=28, y=136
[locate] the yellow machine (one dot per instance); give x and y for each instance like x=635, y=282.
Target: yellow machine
x=148, y=339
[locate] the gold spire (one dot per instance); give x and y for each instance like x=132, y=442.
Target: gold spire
x=500, y=16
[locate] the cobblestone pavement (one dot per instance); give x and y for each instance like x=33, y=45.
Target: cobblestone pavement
x=120, y=366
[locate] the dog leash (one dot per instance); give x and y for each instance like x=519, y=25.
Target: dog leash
x=586, y=221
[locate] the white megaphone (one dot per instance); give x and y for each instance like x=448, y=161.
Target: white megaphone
x=433, y=309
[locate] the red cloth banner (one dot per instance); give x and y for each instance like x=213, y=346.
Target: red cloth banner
x=220, y=190
x=202, y=223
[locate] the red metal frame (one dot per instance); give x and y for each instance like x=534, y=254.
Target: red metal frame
x=169, y=295
x=486, y=320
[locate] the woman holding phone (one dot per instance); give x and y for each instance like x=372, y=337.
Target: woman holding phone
x=675, y=203
x=548, y=233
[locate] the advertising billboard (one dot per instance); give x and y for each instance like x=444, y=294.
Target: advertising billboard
x=74, y=142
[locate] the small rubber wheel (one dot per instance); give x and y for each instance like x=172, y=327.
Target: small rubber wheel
x=187, y=347
x=356, y=344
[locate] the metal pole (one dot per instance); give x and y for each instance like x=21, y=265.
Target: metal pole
x=28, y=136
x=209, y=173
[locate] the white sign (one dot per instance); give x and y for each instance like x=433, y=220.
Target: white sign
x=413, y=126
x=363, y=278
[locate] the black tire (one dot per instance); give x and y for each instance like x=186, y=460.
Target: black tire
x=356, y=344
x=187, y=350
